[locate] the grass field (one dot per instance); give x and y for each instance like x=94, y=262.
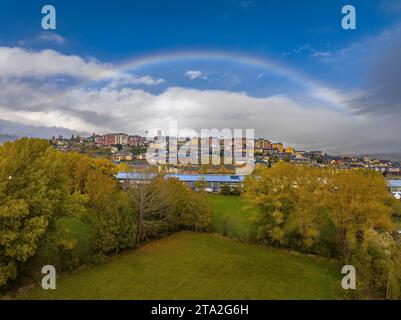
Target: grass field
x=232, y=216
x=199, y=266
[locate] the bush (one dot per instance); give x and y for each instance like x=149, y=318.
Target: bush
x=225, y=189
x=235, y=191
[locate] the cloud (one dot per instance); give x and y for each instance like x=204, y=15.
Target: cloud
x=124, y=79
x=276, y=117
x=320, y=53
x=51, y=37
x=381, y=90
x=149, y=81
x=12, y=130
x=307, y=48
x=195, y=74
x=44, y=38
x=32, y=103
x=18, y=62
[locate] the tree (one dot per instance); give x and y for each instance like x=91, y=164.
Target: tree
x=272, y=190
x=150, y=207
x=299, y=203
x=35, y=196
x=19, y=236
x=341, y=213
x=200, y=184
x=114, y=230
x=225, y=189
x=357, y=203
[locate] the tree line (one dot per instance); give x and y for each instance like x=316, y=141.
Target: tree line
x=344, y=214
x=40, y=188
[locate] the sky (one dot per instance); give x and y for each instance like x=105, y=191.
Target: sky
x=286, y=69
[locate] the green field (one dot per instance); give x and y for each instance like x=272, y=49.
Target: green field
x=200, y=266
x=232, y=216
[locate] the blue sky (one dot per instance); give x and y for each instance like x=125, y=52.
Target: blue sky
x=288, y=31
x=265, y=50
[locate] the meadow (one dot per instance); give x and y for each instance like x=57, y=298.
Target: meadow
x=190, y=265
x=232, y=216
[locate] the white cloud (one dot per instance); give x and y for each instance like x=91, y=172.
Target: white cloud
x=195, y=74
x=113, y=107
x=149, y=81
x=276, y=117
x=17, y=62
x=127, y=78
x=43, y=38
x=320, y=53
x=309, y=49
x=51, y=37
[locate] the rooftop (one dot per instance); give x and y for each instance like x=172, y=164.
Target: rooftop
x=222, y=178
x=394, y=183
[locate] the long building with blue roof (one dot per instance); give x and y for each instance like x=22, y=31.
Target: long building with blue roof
x=394, y=185
x=212, y=181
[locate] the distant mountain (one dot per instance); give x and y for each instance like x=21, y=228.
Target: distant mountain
x=7, y=137
x=392, y=156
x=10, y=131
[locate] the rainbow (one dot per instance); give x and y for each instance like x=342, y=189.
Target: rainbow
x=317, y=89
x=312, y=87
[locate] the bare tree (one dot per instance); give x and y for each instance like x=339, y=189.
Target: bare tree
x=150, y=206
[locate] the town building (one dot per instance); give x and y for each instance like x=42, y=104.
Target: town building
x=115, y=138
x=278, y=146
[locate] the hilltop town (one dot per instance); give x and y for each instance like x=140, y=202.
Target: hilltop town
x=131, y=149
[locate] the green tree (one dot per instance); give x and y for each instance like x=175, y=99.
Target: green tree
x=225, y=189
x=34, y=193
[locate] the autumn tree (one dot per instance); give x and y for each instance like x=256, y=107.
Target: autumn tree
x=341, y=213
x=357, y=203
x=33, y=195
x=299, y=203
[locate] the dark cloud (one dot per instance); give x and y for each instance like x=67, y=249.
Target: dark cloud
x=382, y=91
x=11, y=130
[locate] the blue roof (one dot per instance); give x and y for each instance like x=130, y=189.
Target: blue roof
x=394, y=183
x=223, y=178
x=135, y=176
